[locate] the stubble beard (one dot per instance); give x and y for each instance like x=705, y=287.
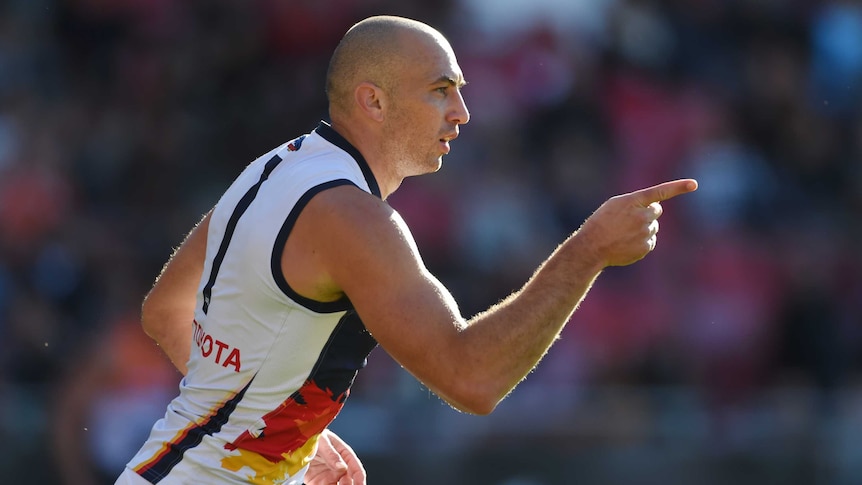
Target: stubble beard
x=407, y=158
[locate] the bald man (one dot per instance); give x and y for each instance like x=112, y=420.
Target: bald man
x=273, y=301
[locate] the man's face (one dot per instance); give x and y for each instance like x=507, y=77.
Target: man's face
x=425, y=108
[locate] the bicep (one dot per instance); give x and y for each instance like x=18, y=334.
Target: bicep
x=371, y=256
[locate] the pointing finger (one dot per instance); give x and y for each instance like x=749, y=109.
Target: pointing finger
x=664, y=191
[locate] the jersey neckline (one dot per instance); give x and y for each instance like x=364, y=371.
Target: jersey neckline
x=329, y=134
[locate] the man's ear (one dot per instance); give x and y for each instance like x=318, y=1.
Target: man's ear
x=371, y=100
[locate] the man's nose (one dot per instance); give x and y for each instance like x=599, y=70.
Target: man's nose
x=460, y=114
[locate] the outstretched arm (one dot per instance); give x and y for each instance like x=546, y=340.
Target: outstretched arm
x=366, y=251
x=169, y=308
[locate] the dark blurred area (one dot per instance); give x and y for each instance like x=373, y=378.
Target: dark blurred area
x=730, y=355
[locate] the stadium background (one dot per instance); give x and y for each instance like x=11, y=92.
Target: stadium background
x=731, y=355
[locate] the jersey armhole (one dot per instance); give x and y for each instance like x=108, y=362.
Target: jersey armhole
x=339, y=305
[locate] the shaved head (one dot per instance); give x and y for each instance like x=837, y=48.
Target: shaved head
x=394, y=91
x=374, y=50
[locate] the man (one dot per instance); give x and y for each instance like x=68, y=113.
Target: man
x=274, y=300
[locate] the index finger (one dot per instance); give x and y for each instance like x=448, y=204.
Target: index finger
x=664, y=191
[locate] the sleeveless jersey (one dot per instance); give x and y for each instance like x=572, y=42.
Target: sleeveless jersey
x=269, y=369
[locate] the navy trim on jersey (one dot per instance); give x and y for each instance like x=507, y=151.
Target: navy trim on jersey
x=339, y=305
x=238, y=211
x=329, y=134
x=343, y=356
x=159, y=469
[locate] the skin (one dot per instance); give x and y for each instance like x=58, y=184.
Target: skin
x=401, y=119
x=334, y=463
x=169, y=308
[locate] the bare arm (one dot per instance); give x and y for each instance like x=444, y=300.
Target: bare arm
x=168, y=309
x=366, y=251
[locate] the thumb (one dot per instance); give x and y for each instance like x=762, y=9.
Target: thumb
x=664, y=191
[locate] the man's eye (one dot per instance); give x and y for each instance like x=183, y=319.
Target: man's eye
x=443, y=89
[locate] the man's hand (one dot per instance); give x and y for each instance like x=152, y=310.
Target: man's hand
x=624, y=228
x=335, y=463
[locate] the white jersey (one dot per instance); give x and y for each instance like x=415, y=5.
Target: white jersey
x=269, y=369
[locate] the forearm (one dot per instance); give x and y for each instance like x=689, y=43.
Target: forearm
x=505, y=343
x=510, y=338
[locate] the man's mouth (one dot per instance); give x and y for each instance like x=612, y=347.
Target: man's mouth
x=446, y=139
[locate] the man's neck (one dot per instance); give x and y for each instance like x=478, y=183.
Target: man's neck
x=367, y=142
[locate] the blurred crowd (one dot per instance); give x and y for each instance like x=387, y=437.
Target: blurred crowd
x=121, y=122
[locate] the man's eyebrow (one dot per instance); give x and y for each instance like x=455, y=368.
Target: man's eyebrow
x=459, y=83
